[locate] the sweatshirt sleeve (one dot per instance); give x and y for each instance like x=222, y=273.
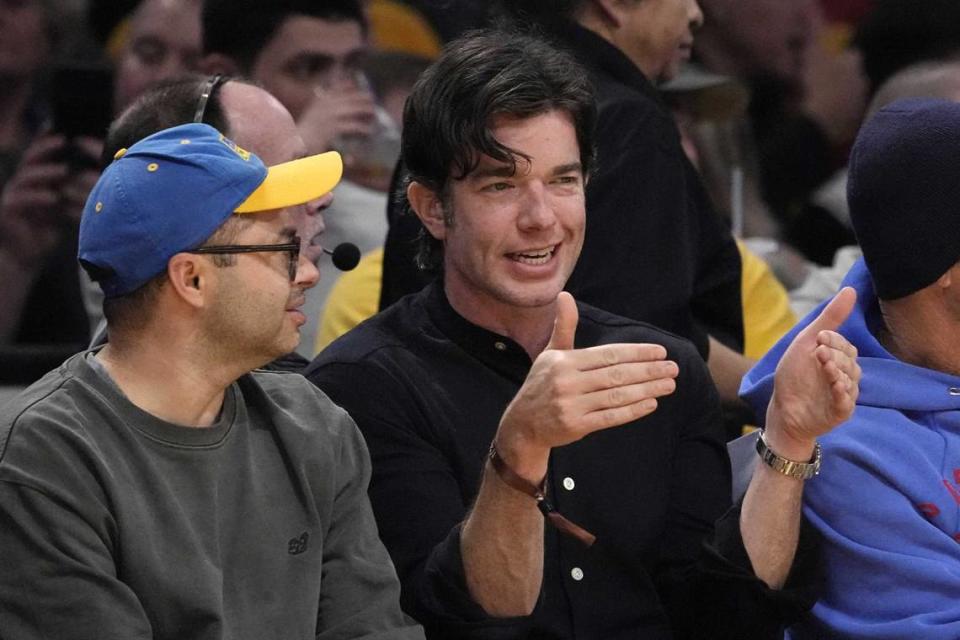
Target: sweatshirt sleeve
x=58, y=578
x=360, y=594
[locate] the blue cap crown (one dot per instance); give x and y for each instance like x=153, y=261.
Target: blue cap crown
x=166, y=194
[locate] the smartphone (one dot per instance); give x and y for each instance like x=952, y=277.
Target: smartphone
x=81, y=100
x=81, y=104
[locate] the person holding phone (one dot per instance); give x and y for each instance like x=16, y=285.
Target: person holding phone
x=28, y=39
x=45, y=299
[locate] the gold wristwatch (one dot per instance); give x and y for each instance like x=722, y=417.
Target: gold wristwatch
x=790, y=468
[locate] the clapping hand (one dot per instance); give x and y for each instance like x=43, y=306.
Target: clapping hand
x=816, y=382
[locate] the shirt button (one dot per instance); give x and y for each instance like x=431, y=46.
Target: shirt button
x=500, y=346
x=576, y=573
x=569, y=484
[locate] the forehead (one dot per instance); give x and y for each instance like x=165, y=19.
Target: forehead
x=270, y=226
x=24, y=8
x=299, y=35
x=259, y=123
x=172, y=20
x=549, y=138
x=22, y=18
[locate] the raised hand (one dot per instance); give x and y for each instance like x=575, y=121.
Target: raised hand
x=29, y=205
x=570, y=393
x=816, y=382
x=44, y=198
x=338, y=111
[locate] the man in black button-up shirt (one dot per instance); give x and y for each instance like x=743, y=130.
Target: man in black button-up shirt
x=656, y=249
x=492, y=388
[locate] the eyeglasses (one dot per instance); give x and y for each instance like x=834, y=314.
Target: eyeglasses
x=292, y=248
x=208, y=90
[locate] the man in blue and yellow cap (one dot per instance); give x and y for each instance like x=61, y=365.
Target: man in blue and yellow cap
x=158, y=487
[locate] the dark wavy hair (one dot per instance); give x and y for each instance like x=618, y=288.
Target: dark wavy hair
x=482, y=75
x=242, y=28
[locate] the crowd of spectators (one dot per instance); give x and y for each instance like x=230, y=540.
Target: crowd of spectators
x=769, y=163
x=772, y=156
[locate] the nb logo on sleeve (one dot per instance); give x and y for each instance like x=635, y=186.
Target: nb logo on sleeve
x=298, y=545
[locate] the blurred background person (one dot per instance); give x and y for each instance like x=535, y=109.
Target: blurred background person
x=708, y=109
x=47, y=305
x=41, y=194
x=160, y=40
x=929, y=79
x=308, y=54
x=893, y=35
x=317, y=59
x=909, y=51
x=28, y=36
x=807, y=99
x=354, y=296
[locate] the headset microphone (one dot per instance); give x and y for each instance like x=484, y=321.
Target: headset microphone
x=345, y=256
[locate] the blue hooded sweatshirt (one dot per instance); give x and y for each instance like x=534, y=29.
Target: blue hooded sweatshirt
x=887, y=499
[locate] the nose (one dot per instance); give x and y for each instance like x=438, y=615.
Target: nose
x=694, y=15
x=308, y=275
x=537, y=211
x=314, y=210
x=173, y=65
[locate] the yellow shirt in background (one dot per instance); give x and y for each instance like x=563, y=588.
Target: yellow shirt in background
x=354, y=298
x=766, y=307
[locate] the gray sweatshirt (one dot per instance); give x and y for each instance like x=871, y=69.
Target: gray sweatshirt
x=115, y=524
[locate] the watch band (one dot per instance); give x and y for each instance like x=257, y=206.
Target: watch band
x=539, y=493
x=790, y=468
x=509, y=476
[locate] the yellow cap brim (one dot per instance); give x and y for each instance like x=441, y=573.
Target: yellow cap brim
x=295, y=182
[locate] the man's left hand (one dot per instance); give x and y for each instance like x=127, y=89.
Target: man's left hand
x=816, y=383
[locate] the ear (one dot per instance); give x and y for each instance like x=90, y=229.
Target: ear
x=189, y=277
x=608, y=11
x=219, y=63
x=429, y=208
x=946, y=280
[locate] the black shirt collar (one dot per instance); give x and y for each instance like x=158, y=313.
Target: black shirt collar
x=497, y=352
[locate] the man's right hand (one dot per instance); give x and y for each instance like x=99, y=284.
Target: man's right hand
x=43, y=198
x=344, y=109
x=570, y=393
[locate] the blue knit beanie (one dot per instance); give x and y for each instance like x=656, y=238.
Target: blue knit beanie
x=904, y=194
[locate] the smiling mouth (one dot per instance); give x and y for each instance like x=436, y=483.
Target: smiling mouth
x=534, y=257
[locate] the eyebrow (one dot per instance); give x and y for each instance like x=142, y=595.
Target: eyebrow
x=497, y=171
x=505, y=171
x=311, y=57
x=357, y=55
x=570, y=167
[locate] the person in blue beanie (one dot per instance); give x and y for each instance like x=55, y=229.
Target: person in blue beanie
x=888, y=499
